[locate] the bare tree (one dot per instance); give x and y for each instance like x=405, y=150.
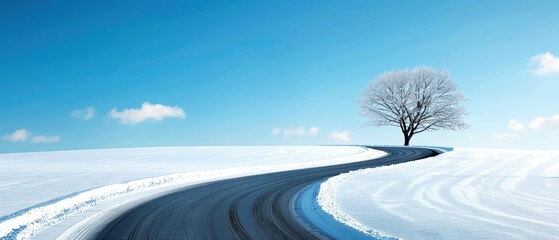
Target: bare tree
x=416, y=100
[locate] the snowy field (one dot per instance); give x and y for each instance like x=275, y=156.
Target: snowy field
x=463, y=194
x=41, y=189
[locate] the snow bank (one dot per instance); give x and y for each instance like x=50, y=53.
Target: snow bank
x=463, y=194
x=63, y=178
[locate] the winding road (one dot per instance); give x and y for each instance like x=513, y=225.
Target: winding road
x=253, y=207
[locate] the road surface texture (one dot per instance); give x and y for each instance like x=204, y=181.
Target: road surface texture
x=253, y=207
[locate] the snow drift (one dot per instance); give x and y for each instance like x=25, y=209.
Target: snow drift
x=463, y=194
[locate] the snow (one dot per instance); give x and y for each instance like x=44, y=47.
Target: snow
x=463, y=194
x=39, y=190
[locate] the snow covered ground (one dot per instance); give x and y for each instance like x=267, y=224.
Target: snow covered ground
x=38, y=190
x=463, y=194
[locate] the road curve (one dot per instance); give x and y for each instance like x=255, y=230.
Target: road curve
x=253, y=207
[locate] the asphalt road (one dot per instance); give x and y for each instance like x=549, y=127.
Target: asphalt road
x=253, y=207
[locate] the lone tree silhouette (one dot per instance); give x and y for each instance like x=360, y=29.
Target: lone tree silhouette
x=416, y=100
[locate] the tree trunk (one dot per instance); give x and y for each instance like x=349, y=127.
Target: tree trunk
x=407, y=140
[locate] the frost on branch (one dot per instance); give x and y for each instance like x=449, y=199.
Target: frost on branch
x=415, y=100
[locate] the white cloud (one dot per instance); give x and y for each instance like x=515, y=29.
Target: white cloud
x=504, y=135
x=313, y=130
x=45, y=139
x=276, y=131
x=549, y=124
x=86, y=113
x=515, y=125
x=300, y=131
x=547, y=63
x=148, y=111
x=20, y=135
x=340, y=136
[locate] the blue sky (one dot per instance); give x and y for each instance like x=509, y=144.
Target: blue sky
x=236, y=70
